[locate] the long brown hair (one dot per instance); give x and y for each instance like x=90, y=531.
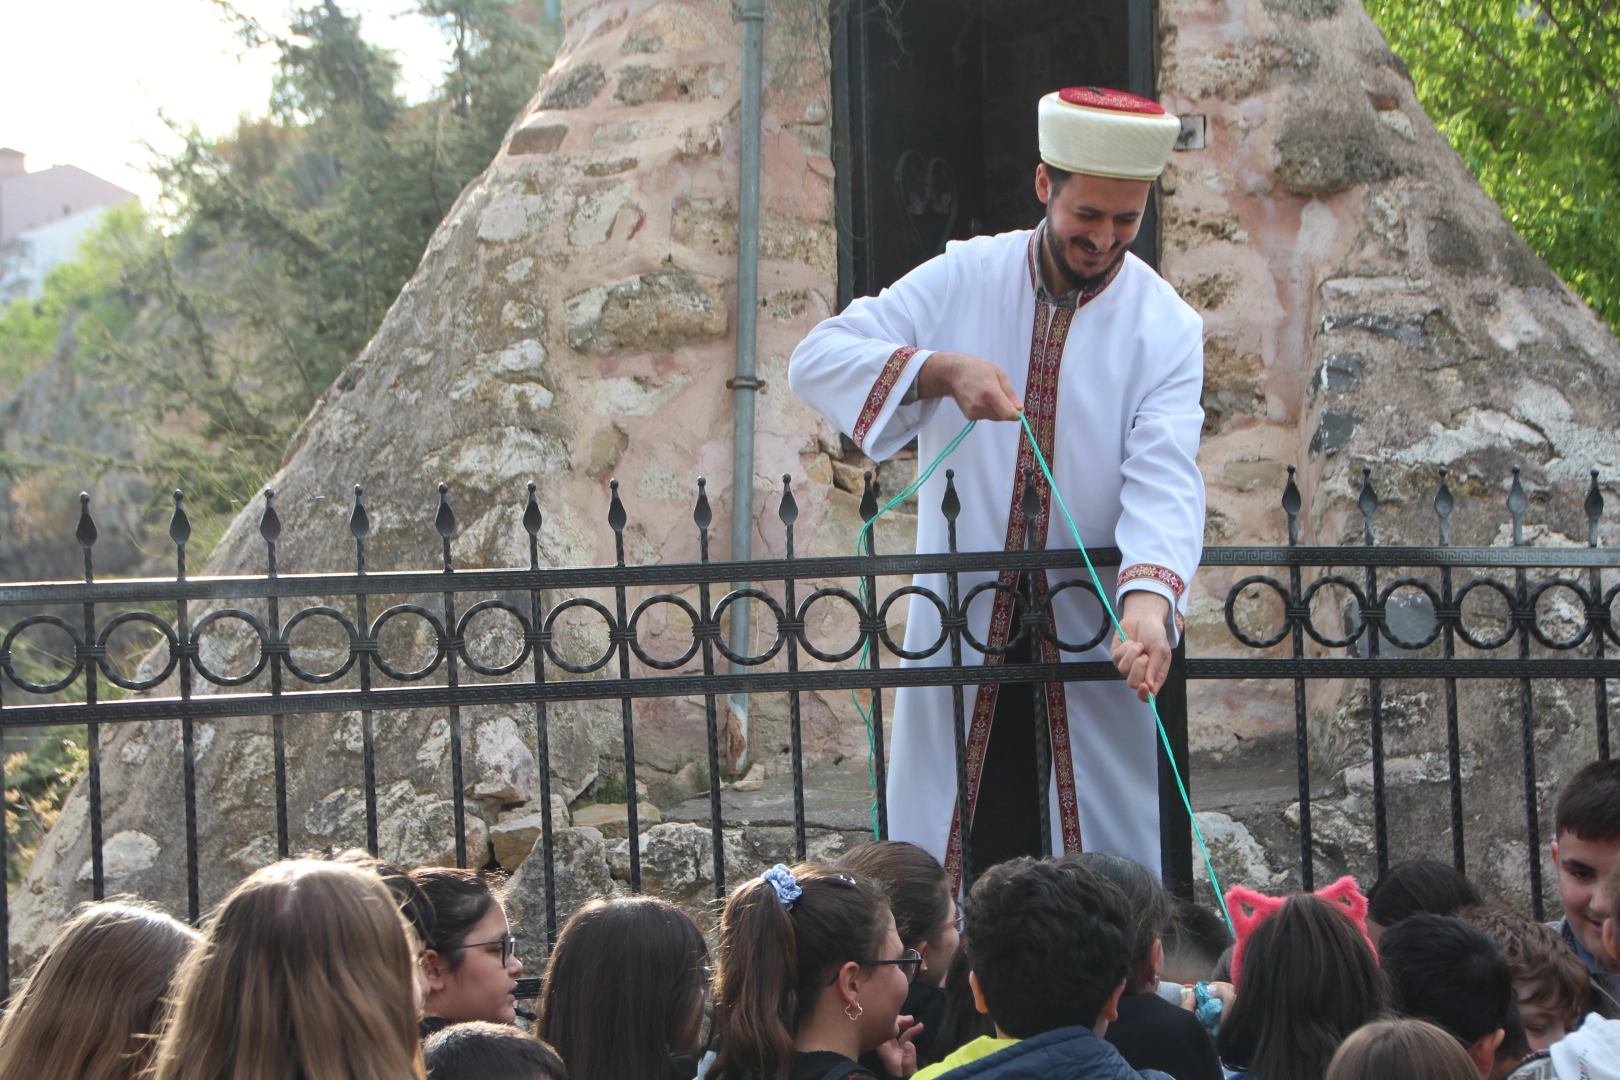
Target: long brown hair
x=775, y=960
x=303, y=972
x=624, y=987
x=1401, y=1050
x=1313, y=981
x=89, y=1010
x=919, y=892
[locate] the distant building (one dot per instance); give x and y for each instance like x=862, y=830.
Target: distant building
x=44, y=217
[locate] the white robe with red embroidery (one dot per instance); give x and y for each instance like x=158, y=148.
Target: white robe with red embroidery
x=1113, y=391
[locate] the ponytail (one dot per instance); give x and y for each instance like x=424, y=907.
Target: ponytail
x=775, y=959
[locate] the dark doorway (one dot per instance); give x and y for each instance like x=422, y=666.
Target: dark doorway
x=934, y=112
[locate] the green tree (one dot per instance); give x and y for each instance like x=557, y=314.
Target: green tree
x=289, y=239
x=90, y=285
x=1529, y=94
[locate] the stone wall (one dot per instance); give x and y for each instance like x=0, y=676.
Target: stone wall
x=572, y=322
x=1366, y=304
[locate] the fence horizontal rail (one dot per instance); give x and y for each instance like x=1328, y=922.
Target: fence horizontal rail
x=250, y=587
x=147, y=590
x=221, y=706
x=225, y=706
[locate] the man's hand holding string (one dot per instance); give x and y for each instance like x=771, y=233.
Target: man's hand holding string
x=979, y=386
x=1144, y=657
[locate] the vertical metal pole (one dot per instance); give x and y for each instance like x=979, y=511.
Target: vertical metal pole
x=1600, y=685
x=789, y=513
x=87, y=538
x=270, y=529
x=1292, y=502
x=1448, y=628
x=703, y=516
x=445, y=522
x=1524, y=616
x=538, y=639
x=1375, y=687
x=180, y=532
x=360, y=528
x=744, y=385
x=616, y=521
x=1029, y=628
x=874, y=645
x=951, y=507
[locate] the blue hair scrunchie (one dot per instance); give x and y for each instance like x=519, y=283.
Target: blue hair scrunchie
x=781, y=879
x=1209, y=1008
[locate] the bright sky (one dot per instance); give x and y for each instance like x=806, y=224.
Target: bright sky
x=82, y=82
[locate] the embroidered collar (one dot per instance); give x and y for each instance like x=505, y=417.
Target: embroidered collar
x=1074, y=298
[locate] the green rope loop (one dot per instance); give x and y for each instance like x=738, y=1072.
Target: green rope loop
x=1153, y=703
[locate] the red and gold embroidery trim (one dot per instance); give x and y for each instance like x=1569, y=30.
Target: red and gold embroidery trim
x=1050, y=333
x=886, y=380
x=1163, y=575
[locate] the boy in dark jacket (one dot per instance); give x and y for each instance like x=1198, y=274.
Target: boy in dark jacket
x=1049, y=947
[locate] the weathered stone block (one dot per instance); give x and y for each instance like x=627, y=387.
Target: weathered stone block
x=537, y=138
x=657, y=312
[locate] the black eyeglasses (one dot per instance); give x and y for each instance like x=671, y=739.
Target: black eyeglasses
x=508, y=946
x=909, y=962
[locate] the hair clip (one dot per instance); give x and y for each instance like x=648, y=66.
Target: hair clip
x=780, y=878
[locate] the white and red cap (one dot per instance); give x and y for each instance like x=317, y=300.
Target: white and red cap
x=1100, y=132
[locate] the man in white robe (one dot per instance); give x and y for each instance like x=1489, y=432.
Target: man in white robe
x=1064, y=324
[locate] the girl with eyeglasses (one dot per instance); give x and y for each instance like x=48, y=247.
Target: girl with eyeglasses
x=812, y=974
x=470, y=965
x=624, y=990
x=928, y=919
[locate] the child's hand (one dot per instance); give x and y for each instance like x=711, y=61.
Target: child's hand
x=899, y=1055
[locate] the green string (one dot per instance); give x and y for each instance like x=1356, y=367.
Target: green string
x=1102, y=595
x=907, y=492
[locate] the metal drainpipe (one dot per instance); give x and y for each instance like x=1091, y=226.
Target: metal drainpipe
x=745, y=385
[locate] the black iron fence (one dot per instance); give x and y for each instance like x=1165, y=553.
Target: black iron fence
x=1340, y=625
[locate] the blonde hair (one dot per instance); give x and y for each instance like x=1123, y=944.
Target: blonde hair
x=1401, y=1050
x=90, y=1008
x=304, y=972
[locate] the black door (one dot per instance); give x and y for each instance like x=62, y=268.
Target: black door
x=934, y=112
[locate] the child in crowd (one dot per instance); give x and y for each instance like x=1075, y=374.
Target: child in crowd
x=1150, y=1032
x=1193, y=943
x=1306, y=979
x=811, y=976
x=90, y=1008
x=1592, y=1051
x=1449, y=973
x=1585, y=848
x=484, y=1051
x=960, y=1021
x=624, y=989
x=1549, y=980
x=470, y=964
x=1050, y=950
x=927, y=918
x=1416, y=887
x=1401, y=1050
x=304, y=970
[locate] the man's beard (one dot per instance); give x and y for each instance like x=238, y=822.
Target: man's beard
x=1077, y=280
